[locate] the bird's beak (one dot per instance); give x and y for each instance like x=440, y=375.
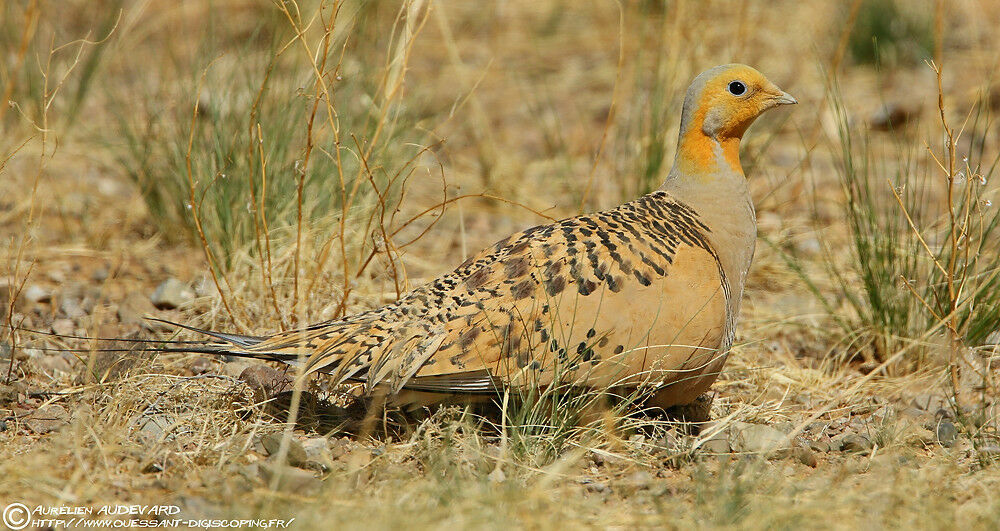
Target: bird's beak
x=783, y=98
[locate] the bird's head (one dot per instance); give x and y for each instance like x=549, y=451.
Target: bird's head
x=719, y=106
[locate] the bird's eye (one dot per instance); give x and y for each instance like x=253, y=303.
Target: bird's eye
x=737, y=88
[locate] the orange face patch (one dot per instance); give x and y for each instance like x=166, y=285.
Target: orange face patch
x=728, y=115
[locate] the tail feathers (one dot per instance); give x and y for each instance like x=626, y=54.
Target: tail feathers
x=377, y=351
x=235, y=339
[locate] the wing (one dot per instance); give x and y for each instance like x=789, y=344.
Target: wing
x=600, y=299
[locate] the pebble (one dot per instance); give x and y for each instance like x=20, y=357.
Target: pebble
x=100, y=274
x=201, y=366
x=892, y=116
x=717, y=445
x=821, y=445
x=991, y=450
x=133, y=309
x=288, y=479
x=598, y=487
x=47, y=419
x=296, y=455
x=265, y=381
x=318, y=456
x=71, y=307
x=947, y=433
x=809, y=246
x=928, y=402
x=497, y=476
x=153, y=428
x=339, y=448
x=804, y=456
x=757, y=438
x=172, y=294
x=11, y=394
x=63, y=327
x=36, y=294
x=52, y=364
x=920, y=437
x=852, y=443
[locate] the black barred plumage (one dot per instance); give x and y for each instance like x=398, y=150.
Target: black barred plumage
x=465, y=326
x=645, y=293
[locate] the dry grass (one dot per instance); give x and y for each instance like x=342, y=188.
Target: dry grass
x=472, y=121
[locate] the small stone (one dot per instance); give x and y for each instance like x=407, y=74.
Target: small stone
x=668, y=443
x=71, y=307
x=852, y=443
x=804, y=456
x=133, y=310
x=947, y=433
x=236, y=367
x=154, y=428
x=47, y=418
x=598, y=487
x=892, y=115
x=339, y=448
x=51, y=364
x=497, y=476
x=9, y=394
x=920, y=437
x=808, y=246
x=296, y=455
x=757, y=438
x=717, y=445
x=172, y=294
x=63, y=327
x=912, y=412
x=821, y=445
x=636, y=481
x=201, y=366
x=288, y=479
x=991, y=450
x=265, y=381
x=816, y=427
x=100, y=274
x=318, y=456
x=928, y=402
x=37, y=294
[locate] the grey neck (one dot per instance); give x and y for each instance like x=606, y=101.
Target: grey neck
x=723, y=203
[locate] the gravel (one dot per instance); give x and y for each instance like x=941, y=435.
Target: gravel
x=172, y=294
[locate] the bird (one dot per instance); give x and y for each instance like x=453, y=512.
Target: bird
x=644, y=294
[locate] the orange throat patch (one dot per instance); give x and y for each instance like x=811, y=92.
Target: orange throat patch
x=699, y=156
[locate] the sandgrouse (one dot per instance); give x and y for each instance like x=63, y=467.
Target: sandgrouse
x=647, y=293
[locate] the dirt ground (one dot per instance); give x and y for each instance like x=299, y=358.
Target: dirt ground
x=540, y=110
